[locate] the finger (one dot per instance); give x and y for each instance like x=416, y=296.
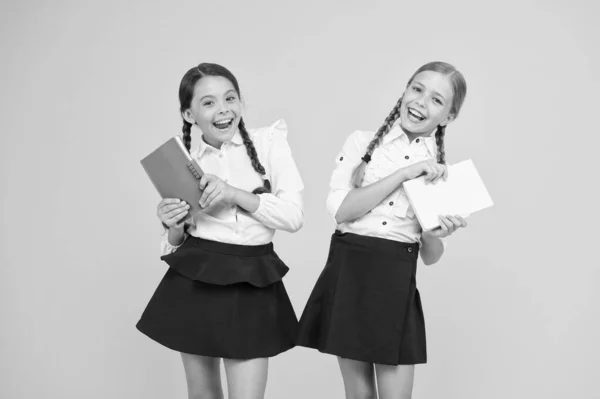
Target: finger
x=171, y=207
x=437, y=173
x=442, y=172
x=206, y=178
x=210, y=187
x=214, y=197
x=455, y=221
x=217, y=191
x=462, y=220
x=445, y=172
x=167, y=201
x=176, y=212
x=445, y=224
x=179, y=219
x=429, y=174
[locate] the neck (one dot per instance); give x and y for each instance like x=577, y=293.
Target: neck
x=216, y=144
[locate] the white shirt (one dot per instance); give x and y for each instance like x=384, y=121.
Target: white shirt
x=393, y=218
x=282, y=209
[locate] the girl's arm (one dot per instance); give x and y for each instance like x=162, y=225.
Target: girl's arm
x=281, y=209
x=361, y=200
x=347, y=203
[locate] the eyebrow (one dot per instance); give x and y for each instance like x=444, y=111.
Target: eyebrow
x=434, y=92
x=211, y=96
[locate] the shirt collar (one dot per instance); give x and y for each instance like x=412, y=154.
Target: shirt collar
x=203, y=147
x=397, y=132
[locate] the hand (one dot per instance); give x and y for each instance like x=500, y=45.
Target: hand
x=432, y=171
x=448, y=225
x=215, y=190
x=172, y=212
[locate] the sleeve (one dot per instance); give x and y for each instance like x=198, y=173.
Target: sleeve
x=347, y=160
x=283, y=208
x=165, y=247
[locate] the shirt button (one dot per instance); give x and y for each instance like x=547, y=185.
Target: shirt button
x=391, y=203
x=409, y=249
x=341, y=158
x=406, y=157
x=384, y=223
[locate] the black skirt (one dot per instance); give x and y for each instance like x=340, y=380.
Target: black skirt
x=365, y=305
x=222, y=300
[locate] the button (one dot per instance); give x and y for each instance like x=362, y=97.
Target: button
x=384, y=223
x=418, y=140
x=409, y=249
x=341, y=158
x=406, y=157
x=391, y=203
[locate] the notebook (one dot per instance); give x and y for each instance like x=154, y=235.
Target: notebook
x=174, y=173
x=463, y=193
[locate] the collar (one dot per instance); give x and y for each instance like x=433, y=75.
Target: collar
x=397, y=132
x=203, y=147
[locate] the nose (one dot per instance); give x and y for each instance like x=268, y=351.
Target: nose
x=420, y=101
x=223, y=108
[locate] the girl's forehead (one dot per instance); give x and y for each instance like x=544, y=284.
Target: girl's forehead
x=212, y=86
x=435, y=81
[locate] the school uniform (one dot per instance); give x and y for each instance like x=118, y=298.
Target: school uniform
x=365, y=305
x=223, y=294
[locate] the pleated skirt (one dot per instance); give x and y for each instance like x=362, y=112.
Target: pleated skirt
x=365, y=305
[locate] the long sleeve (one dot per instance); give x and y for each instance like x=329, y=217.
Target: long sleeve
x=166, y=247
x=347, y=160
x=283, y=208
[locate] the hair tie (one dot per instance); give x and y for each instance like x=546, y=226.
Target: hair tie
x=366, y=158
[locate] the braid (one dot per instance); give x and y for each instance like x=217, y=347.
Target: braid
x=439, y=141
x=187, y=137
x=359, y=172
x=254, y=159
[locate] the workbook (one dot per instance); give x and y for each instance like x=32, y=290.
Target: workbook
x=463, y=193
x=174, y=173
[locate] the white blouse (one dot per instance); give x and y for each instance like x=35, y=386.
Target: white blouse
x=393, y=218
x=282, y=209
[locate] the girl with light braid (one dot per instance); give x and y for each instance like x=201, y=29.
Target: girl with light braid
x=365, y=307
x=223, y=295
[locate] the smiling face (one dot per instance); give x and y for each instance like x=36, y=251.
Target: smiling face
x=426, y=103
x=216, y=108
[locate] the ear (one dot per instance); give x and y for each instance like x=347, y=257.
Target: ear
x=187, y=115
x=447, y=120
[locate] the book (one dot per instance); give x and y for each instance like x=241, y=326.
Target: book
x=463, y=193
x=174, y=173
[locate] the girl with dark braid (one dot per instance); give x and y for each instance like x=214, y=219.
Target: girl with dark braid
x=223, y=295
x=365, y=307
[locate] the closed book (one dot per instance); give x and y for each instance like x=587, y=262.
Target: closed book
x=174, y=173
x=462, y=193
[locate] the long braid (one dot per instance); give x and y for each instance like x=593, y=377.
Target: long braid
x=359, y=172
x=254, y=159
x=187, y=134
x=439, y=141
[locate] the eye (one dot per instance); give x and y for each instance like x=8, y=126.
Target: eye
x=207, y=103
x=231, y=98
x=417, y=89
x=437, y=100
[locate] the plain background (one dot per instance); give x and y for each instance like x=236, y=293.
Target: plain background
x=89, y=88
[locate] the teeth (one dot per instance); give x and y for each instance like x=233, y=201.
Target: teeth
x=225, y=122
x=416, y=114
